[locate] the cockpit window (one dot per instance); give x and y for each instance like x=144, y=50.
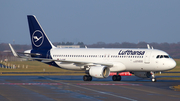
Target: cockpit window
x=166, y=56
x=162, y=56
x=158, y=56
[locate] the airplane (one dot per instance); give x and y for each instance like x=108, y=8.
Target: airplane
x=96, y=62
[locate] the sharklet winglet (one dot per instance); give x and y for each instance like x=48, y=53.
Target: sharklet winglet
x=13, y=51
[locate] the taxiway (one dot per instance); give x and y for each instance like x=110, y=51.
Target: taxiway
x=68, y=88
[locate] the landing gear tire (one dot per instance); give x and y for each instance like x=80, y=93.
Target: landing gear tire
x=90, y=78
x=87, y=78
x=116, y=78
x=153, y=80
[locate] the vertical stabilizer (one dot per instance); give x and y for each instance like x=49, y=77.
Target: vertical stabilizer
x=39, y=39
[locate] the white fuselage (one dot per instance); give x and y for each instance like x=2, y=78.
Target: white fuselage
x=123, y=59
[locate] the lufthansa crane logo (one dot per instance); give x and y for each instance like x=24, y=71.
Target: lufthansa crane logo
x=37, y=38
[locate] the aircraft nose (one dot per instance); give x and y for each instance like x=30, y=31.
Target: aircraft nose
x=172, y=64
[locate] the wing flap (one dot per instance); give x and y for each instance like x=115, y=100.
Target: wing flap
x=34, y=54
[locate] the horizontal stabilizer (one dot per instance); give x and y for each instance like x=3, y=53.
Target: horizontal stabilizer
x=34, y=54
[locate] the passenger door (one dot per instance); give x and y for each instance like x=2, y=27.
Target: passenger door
x=147, y=57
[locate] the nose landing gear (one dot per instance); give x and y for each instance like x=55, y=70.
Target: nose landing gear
x=153, y=79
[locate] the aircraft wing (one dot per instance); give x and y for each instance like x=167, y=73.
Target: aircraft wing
x=82, y=63
x=78, y=63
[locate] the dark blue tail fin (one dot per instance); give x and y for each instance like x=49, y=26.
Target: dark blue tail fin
x=39, y=39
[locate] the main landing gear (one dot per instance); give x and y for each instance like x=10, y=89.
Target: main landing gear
x=87, y=78
x=116, y=77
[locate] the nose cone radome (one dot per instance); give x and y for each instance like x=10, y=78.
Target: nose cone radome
x=172, y=64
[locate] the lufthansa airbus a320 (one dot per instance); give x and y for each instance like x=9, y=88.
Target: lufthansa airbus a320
x=96, y=62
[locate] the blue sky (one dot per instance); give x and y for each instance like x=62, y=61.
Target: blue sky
x=92, y=21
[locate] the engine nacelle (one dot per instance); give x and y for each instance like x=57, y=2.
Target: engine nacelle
x=142, y=74
x=99, y=71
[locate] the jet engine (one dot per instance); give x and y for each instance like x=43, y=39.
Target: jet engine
x=143, y=74
x=99, y=71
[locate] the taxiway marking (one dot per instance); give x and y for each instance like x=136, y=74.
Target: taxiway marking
x=116, y=84
x=30, y=84
x=101, y=92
